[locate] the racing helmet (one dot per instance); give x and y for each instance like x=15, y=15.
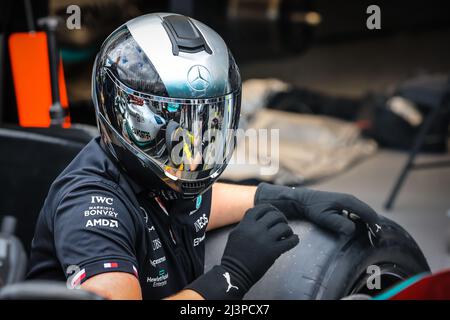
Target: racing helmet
x=166, y=91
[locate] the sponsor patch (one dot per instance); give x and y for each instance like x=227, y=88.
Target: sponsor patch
x=103, y=200
x=198, y=240
x=198, y=202
x=102, y=223
x=156, y=244
x=155, y=262
x=201, y=223
x=100, y=211
x=160, y=280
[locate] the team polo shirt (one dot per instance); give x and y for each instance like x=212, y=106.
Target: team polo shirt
x=95, y=219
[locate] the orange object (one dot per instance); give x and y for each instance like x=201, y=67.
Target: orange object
x=31, y=74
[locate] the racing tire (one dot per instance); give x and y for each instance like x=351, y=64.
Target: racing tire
x=329, y=266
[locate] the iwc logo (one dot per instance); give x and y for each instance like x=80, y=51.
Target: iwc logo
x=198, y=78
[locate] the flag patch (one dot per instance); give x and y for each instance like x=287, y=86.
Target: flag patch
x=109, y=265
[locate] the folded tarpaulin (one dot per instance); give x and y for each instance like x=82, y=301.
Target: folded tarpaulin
x=310, y=148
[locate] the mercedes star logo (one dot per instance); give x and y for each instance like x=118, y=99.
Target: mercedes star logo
x=198, y=78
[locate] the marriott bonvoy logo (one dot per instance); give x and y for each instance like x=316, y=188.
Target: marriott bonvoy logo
x=101, y=215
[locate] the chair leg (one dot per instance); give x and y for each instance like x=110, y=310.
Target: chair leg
x=412, y=155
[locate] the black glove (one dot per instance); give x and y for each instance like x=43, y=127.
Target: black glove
x=252, y=247
x=334, y=211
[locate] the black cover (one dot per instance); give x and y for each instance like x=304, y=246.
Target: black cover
x=29, y=162
x=13, y=260
x=44, y=290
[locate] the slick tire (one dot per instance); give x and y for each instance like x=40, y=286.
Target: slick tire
x=329, y=266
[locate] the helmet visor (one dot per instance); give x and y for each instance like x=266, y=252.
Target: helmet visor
x=188, y=139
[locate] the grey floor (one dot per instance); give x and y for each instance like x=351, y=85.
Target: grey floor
x=352, y=69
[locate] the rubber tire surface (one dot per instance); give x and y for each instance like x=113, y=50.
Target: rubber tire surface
x=326, y=265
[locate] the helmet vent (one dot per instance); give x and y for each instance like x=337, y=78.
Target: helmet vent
x=192, y=187
x=184, y=35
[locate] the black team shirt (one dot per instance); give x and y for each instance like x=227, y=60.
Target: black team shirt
x=96, y=220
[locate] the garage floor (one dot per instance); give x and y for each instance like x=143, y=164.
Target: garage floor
x=352, y=69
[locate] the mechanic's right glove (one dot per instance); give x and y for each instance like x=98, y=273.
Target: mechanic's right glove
x=331, y=210
x=252, y=247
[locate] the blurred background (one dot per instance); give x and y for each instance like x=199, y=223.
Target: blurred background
x=361, y=101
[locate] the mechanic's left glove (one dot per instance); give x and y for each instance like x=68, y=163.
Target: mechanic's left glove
x=334, y=211
x=253, y=246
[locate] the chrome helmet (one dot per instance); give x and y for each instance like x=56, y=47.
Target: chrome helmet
x=167, y=91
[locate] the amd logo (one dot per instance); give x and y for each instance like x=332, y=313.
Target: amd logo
x=100, y=199
x=102, y=223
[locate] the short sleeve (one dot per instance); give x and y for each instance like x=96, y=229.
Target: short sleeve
x=94, y=233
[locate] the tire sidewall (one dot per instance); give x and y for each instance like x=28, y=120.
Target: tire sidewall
x=395, y=249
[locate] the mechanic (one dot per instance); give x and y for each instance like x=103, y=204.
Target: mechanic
x=127, y=218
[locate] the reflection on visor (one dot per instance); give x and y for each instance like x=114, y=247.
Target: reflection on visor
x=173, y=107
x=189, y=139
